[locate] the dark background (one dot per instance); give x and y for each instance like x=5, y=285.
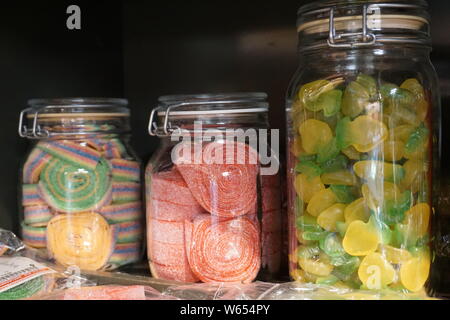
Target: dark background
x=144, y=49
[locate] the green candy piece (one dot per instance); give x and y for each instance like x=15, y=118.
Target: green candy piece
x=311, y=158
x=341, y=228
x=314, y=236
x=382, y=228
x=71, y=189
x=336, y=164
x=331, y=245
x=356, y=98
x=417, y=139
x=347, y=269
x=299, y=208
x=308, y=223
x=394, y=210
x=328, y=281
x=344, y=194
x=343, y=133
x=24, y=290
x=309, y=168
x=331, y=102
x=328, y=152
x=369, y=83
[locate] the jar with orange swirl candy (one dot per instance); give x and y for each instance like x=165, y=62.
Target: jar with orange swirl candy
x=81, y=183
x=363, y=127
x=213, y=191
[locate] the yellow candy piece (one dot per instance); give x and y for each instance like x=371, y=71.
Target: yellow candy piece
x=414, y=273
x=343, y=178
x=296, y=147
x=320, y=201
x=315, y=135
x=328, y=218
x=415, y=175
x=357, y=210
x=401, y=133
x=367, y=133
x=306, y=187
x=373, y=169
x=421, y=105
x=316, y=267
x=394, y=255
x=394, y=150
x=417, y=219
x=376, y=192
x=351, y=153
x=360, y=239
x=375, y=271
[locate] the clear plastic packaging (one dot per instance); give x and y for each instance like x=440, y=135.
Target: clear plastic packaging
x=81, y=191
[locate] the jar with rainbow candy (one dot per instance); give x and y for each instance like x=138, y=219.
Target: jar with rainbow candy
x=363, y=116
x=81, y=196
x=213, y=207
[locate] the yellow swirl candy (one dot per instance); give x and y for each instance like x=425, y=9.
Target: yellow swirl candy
x=417, y=219
x=357, y=210
x=82, y=239
x=375, y=271
x=306, y=187
x=343, y=178
x=328, y=218
x=360, y=239
x=394, y=255
x=414, y=273
x=373, y=169
x=320, y=201
x=367, y=133
x=315, y=135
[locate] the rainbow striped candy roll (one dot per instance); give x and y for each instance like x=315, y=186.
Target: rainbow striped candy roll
x=73, y=153
x=96, y=144
x=34, y=236
x=31, y=195
x=37, y=216
x=33, y=166
x=125, y=191
x=114, y=149
x=127, y=232
x=124, y=253
x=125, y=170
x=118, y=213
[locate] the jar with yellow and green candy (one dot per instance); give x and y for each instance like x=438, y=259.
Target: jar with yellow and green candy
x=363, y=122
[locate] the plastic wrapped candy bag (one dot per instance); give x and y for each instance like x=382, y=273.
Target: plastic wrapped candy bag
x=219, y=291
x=9, y=243
x=307, y=291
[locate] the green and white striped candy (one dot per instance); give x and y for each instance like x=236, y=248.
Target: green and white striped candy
x=67, y=188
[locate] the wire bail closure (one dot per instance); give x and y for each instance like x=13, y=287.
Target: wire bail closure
x=368, y=39
x=35, y=132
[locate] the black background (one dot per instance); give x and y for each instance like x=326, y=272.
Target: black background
x=144, y=49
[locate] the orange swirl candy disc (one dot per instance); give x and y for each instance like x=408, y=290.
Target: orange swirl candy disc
x=223, y=250
x=83, y=239
x=225, y=180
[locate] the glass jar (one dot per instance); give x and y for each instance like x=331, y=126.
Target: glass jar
x=363, y=114
x=213, y=205
x=81, y=193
